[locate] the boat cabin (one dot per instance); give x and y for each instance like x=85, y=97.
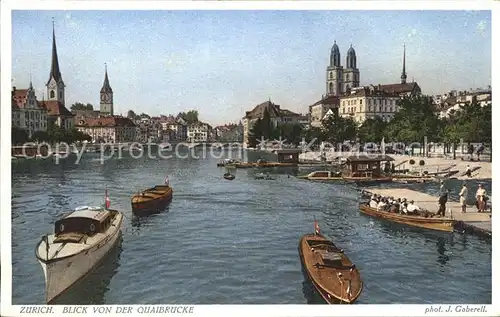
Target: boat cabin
x=85, y=220
x=368, y=166
x=288, y=155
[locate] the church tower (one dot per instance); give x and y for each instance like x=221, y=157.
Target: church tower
x=334, y=73
x=351, y=72
x=55, y=85
x=403, y=73
x=106, y=106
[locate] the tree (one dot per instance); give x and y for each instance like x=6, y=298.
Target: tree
x=131, y=114
x=144, y=116
x=372, y=130
x=292, y=132
x=81, y=106
x=190, y=117
x=19, y=136
x=338, y=129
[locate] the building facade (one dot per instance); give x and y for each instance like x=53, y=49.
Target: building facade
x=108, y=129
x=368, y=103
x=199, y=132
x=106, y=96
x=276, y=115
x=27, y=113
x=319, y=109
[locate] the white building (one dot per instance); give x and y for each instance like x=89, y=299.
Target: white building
x=199, y=132
x=368, y=102
x=318, y=110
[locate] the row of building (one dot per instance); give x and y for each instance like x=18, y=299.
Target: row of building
x=347, y=98
x=33, y=115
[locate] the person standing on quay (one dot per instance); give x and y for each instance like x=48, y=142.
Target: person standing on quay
x=463, y=197
x=443, y=198
x=481, y=198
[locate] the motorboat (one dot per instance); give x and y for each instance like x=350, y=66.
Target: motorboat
x=152, y=200
x=79, y=242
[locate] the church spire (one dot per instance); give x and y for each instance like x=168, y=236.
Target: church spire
x=105, y=86
x=403, y=73
x=54, y=68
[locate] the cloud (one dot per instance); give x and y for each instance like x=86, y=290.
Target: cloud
x=481, y=26
x=70, y=22
x=412, y=33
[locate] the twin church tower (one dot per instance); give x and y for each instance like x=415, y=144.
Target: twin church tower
x=55, y=85
x=340, y=80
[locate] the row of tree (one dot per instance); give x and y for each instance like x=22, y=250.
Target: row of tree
x=415, y=120
x=190, y=116
x=54, y=134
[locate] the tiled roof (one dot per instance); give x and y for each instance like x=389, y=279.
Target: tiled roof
x=55, y=108
x=371, y=91
x=400, y=88
x=105, y=122
x=258, y=111
x=328, y=100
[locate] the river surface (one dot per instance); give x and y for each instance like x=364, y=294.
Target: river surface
x=232, y=242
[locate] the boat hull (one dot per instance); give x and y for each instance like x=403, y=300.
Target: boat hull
x=365, y=180
x=307, y=268
x=61, y=273
x=440, y=224
x=152, y=206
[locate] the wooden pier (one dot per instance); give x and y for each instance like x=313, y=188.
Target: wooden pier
x=471, y=221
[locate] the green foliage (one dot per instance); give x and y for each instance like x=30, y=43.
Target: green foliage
x=81, y=106
x=471, y=123
x=131, y=114
x=372, y=130
x=190, y=117
x=19, y=136
x=338, y=129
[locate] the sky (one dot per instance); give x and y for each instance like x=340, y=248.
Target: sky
x=224, y=63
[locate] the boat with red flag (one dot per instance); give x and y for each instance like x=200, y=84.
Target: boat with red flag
x=152, y=200
x=80, y=241
x=329, y=270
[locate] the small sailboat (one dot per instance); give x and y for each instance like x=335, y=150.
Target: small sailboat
x=79, y=242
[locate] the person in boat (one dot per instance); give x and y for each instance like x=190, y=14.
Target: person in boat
x=381, y=204
x=463, y=197
x=412, y=208
x=167, y=181
x=443, y=198
x=481, y=198
x=468, y=171
x=374, y=202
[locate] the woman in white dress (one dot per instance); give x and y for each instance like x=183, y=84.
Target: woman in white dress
x=463, y=197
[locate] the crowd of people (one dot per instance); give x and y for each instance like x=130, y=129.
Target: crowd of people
x=405, y=207
x=398, y=205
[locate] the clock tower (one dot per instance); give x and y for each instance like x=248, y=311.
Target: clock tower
x=106, y=106
x=55, y=84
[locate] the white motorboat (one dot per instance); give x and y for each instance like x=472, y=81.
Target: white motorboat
x=81, y=239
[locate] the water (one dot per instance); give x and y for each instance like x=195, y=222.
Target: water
x=232, y=242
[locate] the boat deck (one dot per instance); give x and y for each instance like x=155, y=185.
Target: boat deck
x=480, y=222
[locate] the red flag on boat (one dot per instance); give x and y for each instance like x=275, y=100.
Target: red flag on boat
x=316, y=227
x=107, y=201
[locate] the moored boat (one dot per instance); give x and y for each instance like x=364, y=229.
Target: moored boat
x=229, y=176
x=80, y=240
x=323, y=176
x=433, y=223
x=366, y=169
x=329, y=270
x=153, y=199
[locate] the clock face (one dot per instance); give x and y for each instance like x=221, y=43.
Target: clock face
x=105, y=97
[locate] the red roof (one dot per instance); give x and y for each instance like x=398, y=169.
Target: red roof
x=55, y=108
x=400, y=88
x=105, y=122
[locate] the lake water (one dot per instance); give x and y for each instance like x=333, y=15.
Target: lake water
x=232, y=242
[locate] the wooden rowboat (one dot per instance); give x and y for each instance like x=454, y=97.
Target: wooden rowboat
x=441, y=224
x=367, y=180
x=329, y=270
x=229, y=176
x=152, y=200
x=322, y=176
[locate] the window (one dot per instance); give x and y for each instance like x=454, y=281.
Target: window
x=343, y=110
x=370, y=108
x=52, y=94
x=361, y=101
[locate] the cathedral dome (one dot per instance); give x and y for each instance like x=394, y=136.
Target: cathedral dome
x=351, y=51
x=335, y=47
